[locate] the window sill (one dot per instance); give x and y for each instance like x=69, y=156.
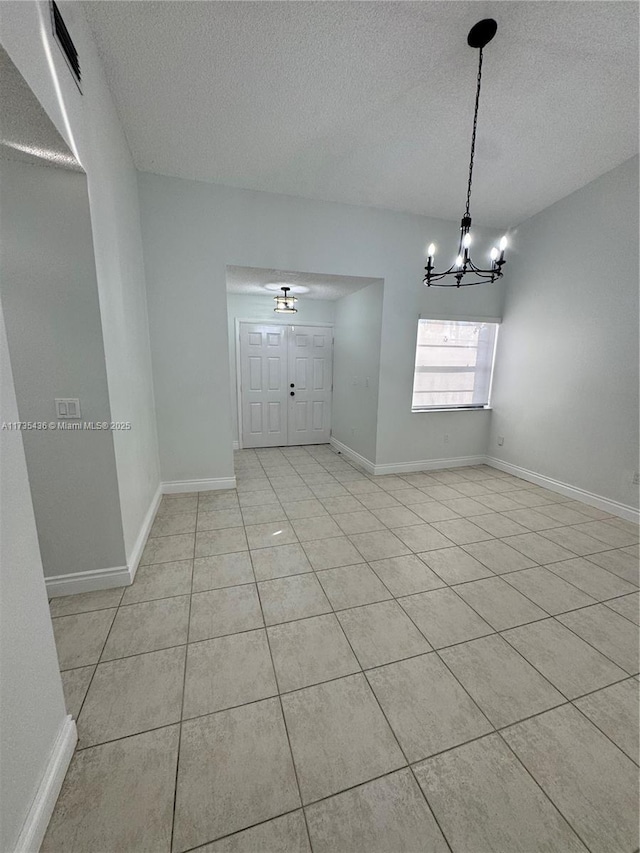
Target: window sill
x=452, y=409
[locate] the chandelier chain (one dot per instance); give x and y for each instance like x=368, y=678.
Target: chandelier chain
x=473, y=135
x=463, y=271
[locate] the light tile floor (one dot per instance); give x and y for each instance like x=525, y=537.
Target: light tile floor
x=324, y=660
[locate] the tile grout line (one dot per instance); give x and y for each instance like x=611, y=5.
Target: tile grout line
x=238, y=832
x=398, y=599
x=545, y=565
x=565, y=701
x=397, y=740
x=341, y=628
x=286, y=727
x=539, y=786
x=505, y=575
x=541, y=533
x=494, y=729
x=334, y=610
x=93, y=674
x=593, y=723
x=282, y=714
x=624, y=616
x=499, y=633
x=184, y=682
x=596, y=600
x=491, y=633
x=568, y=700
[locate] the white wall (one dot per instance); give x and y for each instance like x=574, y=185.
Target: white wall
x=404, y=436
x=242, y=306
x=31, y=701
x=356, y=369
x=52, y=315
x=566, y=379
x=89, y=123
x=192, y=230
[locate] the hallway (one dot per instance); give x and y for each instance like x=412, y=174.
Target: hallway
x=413, y=658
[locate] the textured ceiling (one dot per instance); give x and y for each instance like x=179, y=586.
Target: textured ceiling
x=371, y=102
x=262, y=282
x=26, y=131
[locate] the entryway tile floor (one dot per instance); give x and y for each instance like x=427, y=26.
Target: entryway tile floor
x=334, y=662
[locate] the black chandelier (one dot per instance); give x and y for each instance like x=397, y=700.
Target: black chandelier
x=285, y=304
x=479, y=36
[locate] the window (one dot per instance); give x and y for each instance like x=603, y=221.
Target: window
x=454, y=365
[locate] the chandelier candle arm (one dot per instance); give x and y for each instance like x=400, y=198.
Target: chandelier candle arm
x=479, y=36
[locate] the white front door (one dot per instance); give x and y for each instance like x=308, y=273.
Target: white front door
x=310, y=379
x=263, y=380
x=285, y=384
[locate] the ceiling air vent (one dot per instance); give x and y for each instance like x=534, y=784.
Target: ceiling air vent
x=65, y=43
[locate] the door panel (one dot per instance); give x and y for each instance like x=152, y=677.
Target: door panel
x=300, y=373
x=318, y=415
x=310, y=365
x=255, y=418
x=255, y=373
x=274, y=370
x=263, y=375
x=300, y=416
x=319, y=370
x=275, y=418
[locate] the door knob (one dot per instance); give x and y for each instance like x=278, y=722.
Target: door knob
x=292, y=385
x=293, y=393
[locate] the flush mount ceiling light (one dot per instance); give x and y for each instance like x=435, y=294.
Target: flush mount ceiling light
x=285, y=304
x=463, y=267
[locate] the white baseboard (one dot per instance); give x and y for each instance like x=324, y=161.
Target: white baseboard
x=174, y=487
x=428, y=465
x=236, y=445
x=88, y=581
x=573, y=492
x=362, y=461
x=134, y=558
x=95, y=579
x=35, y=825
x=404, y=467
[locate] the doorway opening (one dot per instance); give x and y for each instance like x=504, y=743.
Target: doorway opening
x=288, y=379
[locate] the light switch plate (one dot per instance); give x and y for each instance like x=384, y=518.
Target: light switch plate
x=67, y=407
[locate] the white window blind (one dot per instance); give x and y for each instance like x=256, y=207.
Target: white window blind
x=454, y=364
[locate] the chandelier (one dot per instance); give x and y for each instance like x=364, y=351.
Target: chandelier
x=479, y=37
x=285, y=304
